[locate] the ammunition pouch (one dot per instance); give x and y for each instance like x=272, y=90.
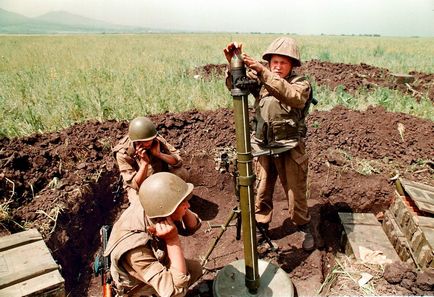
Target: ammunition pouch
x=272, y=134
x=282, y=130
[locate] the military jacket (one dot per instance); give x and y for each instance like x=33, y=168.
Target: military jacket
x=130, y=246
x=281, y=107
x=129, y=164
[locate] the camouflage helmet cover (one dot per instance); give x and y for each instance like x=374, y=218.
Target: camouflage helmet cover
x=142, y=129
x=283, y=46
x=161, y=193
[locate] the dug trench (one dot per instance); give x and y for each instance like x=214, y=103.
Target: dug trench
x=66, y=184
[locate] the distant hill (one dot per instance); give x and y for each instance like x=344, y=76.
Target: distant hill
x=61, y=22
x=68, y=19
x=10, y=18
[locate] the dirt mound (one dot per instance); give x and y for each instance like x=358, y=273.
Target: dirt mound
x=66, y=185
x=209, y=70
x=348, y=76
x=355, y=77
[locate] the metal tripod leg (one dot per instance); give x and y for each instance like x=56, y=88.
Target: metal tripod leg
x=235, y=213
x=267, y=239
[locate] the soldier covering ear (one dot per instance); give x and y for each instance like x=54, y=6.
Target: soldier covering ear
x=142, y=152
x=144, y=246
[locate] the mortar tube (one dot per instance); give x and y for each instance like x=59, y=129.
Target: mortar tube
x=245, y=181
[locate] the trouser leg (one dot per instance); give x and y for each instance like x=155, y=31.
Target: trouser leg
x=292, y=167
x=266, y=176
x=195, y=270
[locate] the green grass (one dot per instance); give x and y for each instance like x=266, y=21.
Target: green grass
x=50, y=82
x=391, y=100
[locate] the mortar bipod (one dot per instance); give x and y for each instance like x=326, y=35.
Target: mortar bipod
x=235, y=214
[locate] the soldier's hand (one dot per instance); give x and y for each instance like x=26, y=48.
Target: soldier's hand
x=145, y=160
x=140, y=151
x=165, y=230
x=142, y=155
x=252, y=63
x=231, y=49
x=155, y=148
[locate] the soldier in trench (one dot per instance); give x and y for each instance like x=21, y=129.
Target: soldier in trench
x=282, y=100
x=146, y=255
x=141, y=153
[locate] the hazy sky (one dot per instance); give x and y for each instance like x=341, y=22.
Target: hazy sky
x=385, y=17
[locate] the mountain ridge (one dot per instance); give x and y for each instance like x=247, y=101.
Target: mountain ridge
x=62, y=22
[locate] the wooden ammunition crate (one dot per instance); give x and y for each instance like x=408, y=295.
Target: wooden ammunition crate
x=364, y=230
x=396, y=237
x=409, y=224
x=27, y=268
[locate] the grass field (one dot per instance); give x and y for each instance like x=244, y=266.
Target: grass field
x=50, y=82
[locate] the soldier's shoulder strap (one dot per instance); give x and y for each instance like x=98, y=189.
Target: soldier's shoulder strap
x=297, y=78
x=110, y=248
x=122, y=145
x=311, y=99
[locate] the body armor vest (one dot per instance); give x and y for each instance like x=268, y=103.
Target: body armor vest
x=278, y=125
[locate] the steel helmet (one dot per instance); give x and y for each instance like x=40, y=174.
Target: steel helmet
x=283, y=46
x=161, y=193
x=142, y=129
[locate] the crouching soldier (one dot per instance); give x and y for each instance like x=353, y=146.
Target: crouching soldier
x=144, y=246
x=142, y=153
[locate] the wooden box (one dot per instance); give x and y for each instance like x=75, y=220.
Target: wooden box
x=27, y=267
x=362, y=230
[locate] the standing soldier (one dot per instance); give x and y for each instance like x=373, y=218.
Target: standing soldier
x=142, y=153
x=281, y=105
x=144, y=245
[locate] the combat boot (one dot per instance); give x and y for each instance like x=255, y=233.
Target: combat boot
x=308, y=242
x=261, y=232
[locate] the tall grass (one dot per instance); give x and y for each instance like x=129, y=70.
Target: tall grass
x=391, y=100
x=394, y=53
x=50, y=82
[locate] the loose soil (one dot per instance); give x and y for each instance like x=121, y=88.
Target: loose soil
x=66, y=184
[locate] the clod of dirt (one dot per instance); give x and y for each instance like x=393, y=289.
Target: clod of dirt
x=425, y=280
x=394, y=273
